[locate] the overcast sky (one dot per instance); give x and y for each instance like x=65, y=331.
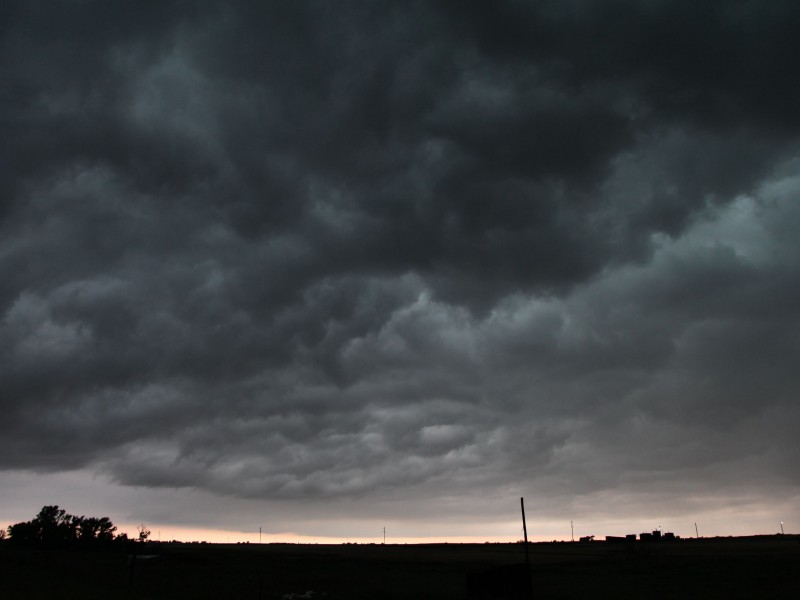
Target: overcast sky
x=320, y=266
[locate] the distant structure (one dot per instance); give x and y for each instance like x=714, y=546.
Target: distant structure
x=652, y=536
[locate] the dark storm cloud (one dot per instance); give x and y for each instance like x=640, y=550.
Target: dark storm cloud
x=295, y=249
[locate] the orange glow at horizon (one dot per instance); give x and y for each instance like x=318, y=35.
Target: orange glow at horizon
x=168, y=533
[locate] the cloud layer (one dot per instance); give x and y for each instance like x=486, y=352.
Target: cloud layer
x=403, y=251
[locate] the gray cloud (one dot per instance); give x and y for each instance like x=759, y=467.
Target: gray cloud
x=303, y=252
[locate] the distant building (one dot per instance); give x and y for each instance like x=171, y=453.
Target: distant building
x=656, y=536
x=650, y=536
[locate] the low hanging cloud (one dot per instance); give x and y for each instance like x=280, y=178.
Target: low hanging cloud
x=402, y=251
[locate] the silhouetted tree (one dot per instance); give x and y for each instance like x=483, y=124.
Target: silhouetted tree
x=93, y=529
x=144, y=532
x=54, y=526
x=23, y=533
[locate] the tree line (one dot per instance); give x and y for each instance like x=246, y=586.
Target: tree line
x=53, y=526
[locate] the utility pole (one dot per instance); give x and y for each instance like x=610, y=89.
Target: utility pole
x=384, y=536
x=572, y=529
x=527, y=559
x=259, y=535
x=524, y=530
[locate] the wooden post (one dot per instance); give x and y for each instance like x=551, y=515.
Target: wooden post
x=524, y=529
x=527, y=559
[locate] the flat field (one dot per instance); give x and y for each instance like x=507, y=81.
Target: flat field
x=752, y=567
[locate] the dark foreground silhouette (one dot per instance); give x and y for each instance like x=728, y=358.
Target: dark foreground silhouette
x=754, y=567
x=54, y=527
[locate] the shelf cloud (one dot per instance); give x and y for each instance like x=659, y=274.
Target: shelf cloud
x=410, y=254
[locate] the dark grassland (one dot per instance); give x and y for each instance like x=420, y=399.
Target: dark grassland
x=752, y=567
